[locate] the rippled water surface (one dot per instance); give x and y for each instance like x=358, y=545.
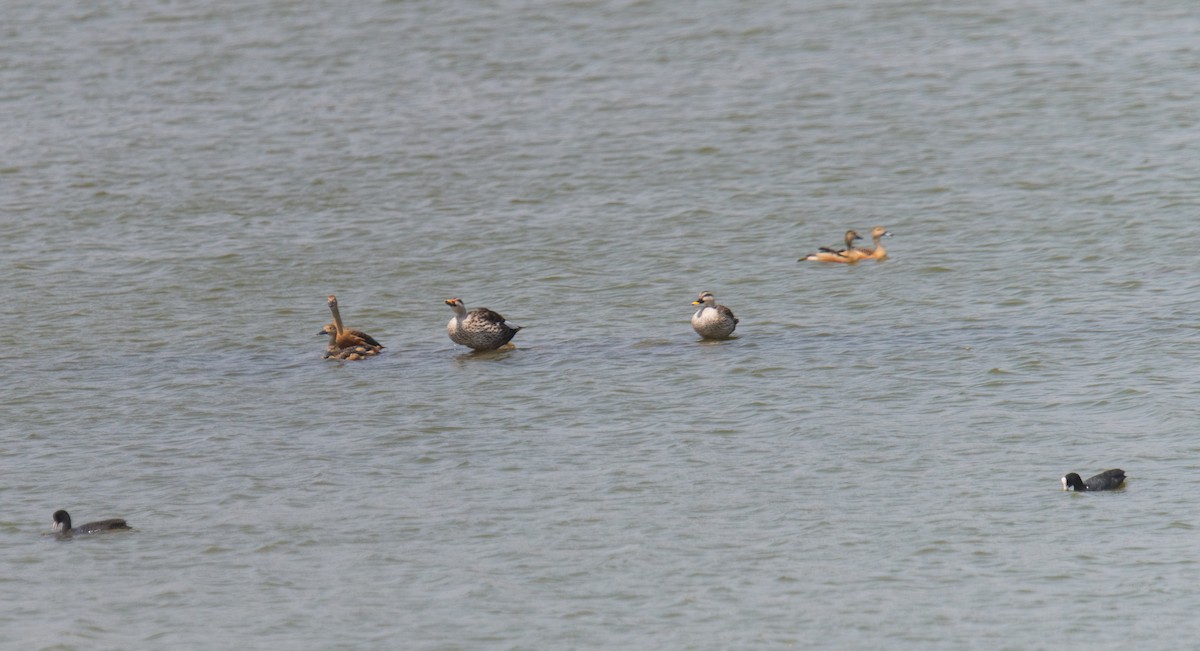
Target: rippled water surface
x=873, y=461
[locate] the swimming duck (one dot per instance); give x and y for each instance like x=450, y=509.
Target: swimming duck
x=712, y=321
x=350, y=352
x=847, y=254
x=481, y=328
x=876, y=252
x=62, y=525
x=1105, y=481
x=343, y=337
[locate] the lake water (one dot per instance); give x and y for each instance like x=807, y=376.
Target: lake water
x=873, y=462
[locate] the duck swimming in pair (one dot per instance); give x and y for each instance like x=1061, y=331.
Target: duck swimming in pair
x=349, y=352
x=876, y=252
x=851, y=253
x=713, y=321
x=1105, y=481
x=827, y=254
x=62, y=525
x=481, y=328
x=346, y=343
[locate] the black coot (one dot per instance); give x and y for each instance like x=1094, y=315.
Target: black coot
x=62, y=524
x=1105, y=481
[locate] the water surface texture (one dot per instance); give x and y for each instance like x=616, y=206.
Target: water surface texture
x=873, y=462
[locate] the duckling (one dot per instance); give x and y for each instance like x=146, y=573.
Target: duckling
x=351, y=354
x=847, y=255
x=62, y=525
x=712, y=321
x=876, y=252
x=347, y=338
x=481, y=328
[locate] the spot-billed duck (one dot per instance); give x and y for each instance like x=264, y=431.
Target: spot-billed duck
x=481, y=328
x=1105, y=481
x=712, y=321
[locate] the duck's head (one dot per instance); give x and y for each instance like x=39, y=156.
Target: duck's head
x=329, y=329
x=879, y=232
x=1072, y=481
x=457, y=305
x=851, y=236
x=704, y=298
x=62, y=521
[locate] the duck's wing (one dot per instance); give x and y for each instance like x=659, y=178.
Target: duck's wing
x=826, y=256
x=366, y=338
x=484, y=314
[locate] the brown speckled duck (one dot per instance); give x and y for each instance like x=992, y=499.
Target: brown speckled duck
x=712, y=321
x=481, y=328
